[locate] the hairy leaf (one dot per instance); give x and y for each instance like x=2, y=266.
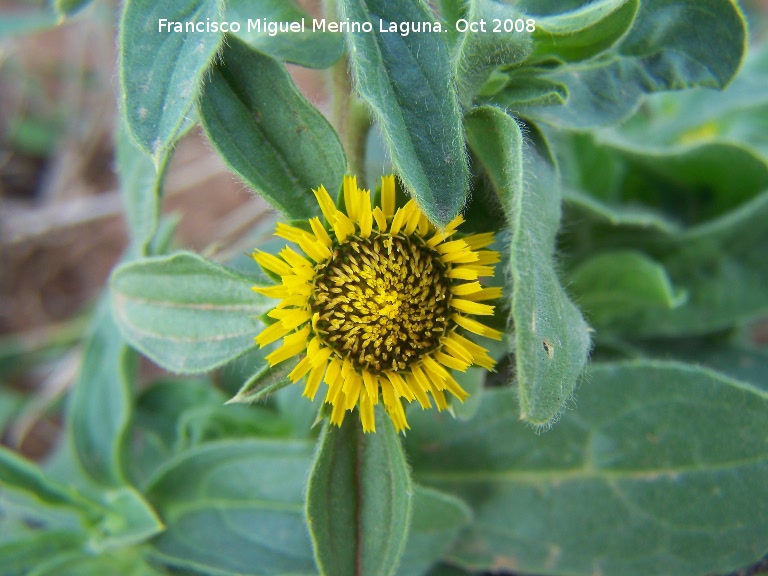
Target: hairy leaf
x=101, y=404
x=662, y=470
x=313, y=48
x=664, y=50
x=359, y=500
x=407, y=81
x=161, y=71
x=235, y=507
x=584, y=32
x=186, y=313
x=436, y=520
x=551, y=338
x=615, y=285
x=482, y=51
x=268, y=133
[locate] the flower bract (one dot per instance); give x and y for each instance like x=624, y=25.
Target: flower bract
x=380, y=304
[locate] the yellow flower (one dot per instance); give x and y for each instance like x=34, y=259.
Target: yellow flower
x=379, y=304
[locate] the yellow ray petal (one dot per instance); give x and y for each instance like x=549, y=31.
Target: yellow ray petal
x=333, y=379
x=452, y=246
x=475, y=327
x=464, y=257
x=418, y=391
x=287, y=350
x=320, y=232
x=477, y=241
x=366, y=216
x=439, y=397
x=453, y=387
x=313, y=382
x=271, y=334
x=326, y=204
x=455, y=347
x=337, y=415
x=397, y=414
x=488, y=257
x=399, y=385
x=400, y=216
x=277, y=291
x=413, y=219
x=472, y=307
x=451, y=361
x=381, y=219
x=352, y=384
x=423, y=225
x=296, y=260
x=315, y=249
x=468, y=288
x=351, y=198
x=488, y=293
x=461, y=273
x=367, y=416
x=272, y=263
x=291, y=233
x=300, y=370
x=371, y=382
x=343, y=226
x=437, y=374
x=388, y=195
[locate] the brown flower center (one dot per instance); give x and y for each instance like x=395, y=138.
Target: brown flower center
x=382, y=301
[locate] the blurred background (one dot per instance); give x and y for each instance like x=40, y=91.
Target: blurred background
x=61, y=215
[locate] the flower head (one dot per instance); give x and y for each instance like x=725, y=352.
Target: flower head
x=380, y=303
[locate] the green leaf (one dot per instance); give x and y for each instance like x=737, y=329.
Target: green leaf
x=615, y=285
x=129, y=520
x=141, y=186
x=69, y=7
x=307, y=47
x=268, y=133
x=584, y=32
x=700, y=116
x=123, y=562
x=667, y=41
x=161, y=405
x=450, y=12
x=551, y=338
x=662, y=469
x=236, y=508
x=731, y=354
x=20, y=555
x=407, y=81
x=722, y=265
x=690, y=183
x=359, y=499
x=664, y=50
x=719, y=264
x=266, y=381
x=482, y=51
x=161, y=71
x=636, y=220
x=436, y=520
x=186, y=313
x=21, y=475
x=301, y=412
x=100, y=403
x=527, y=87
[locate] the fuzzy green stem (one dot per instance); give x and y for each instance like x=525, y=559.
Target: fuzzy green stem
x=350, y=115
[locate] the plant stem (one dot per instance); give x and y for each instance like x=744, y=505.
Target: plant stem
x=350, y=115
